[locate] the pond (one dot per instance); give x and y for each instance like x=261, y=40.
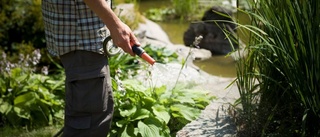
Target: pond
x=217, y=65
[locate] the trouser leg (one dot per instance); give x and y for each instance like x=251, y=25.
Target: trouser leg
x=89, y=99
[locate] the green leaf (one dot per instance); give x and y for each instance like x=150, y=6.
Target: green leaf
x=46, y=102
x=128, y=131
x=134, y=85
x=121, y=123
x=148, y=130
x=128, y=112
x=23, y=113
x=159, y=125
x=25, y=99
x=22, y=78
x=185, y=99
x=161, y=90
x=189, y=113
x=5, y=107
x=141, y=114
x=148, y=102
x=124, y=133
x=162, y=113
x=16, y=72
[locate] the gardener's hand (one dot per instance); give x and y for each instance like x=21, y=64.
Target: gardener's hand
x=121, y=34
x=123, y=37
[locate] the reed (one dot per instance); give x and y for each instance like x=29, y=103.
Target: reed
x=279, y=78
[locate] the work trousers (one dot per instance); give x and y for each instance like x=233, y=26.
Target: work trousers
x=89, y=99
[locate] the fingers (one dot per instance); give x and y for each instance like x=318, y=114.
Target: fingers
x=134, y=40
x=124, y=38
x=127, y=48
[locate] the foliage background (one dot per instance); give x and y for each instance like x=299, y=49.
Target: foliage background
x=32, y=82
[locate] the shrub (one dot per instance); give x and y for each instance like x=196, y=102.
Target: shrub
x=27, y=98
x=21, y=21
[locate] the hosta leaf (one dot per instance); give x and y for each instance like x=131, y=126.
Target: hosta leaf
x=124, y=133
x=134, y=85
x=185, y=99
x=162, y=113
x=21, y=78
x=155, y=123
x=23, y=113
x=128, y=112
x=121, y=123
x=174, y=114
x=141, y=114
x=44, y=93
x=148, y=102
x=25, y=99
x=128, y=131
x=56, y=84
x=45, y=102
x=5, y=107
x=16, y=72
x=187, y=112
x=148, y=130
x=164, y=98
x=160, y=90
x=3, y=87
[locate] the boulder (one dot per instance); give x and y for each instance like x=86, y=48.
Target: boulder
x=213, y=27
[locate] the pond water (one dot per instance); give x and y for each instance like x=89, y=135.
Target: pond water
x=217, y=65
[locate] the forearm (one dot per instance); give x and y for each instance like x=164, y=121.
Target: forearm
x=121, y=34
x=104, y=11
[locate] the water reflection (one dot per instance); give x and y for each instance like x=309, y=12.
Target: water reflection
x=216, y=65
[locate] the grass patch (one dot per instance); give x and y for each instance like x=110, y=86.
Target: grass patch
x=47, y=131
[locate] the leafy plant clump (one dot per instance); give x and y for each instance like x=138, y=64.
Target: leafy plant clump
x=28, y=98
x=278, y=80
x=154, y=112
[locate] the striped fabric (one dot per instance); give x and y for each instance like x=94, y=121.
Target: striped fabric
x=70, y=25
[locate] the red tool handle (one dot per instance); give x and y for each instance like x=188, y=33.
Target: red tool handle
x=141, y=53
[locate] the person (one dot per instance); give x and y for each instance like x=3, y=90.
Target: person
x=71, y=29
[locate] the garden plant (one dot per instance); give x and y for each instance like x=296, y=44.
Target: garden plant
x=278, y=79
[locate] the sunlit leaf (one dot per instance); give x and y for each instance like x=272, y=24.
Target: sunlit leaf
x=148, y=130
x=25, y=99
x=124, y=133
x=5, y=107
x=121, y=123
x=128, y=112
x=141, y=114
x=162, y=113
x=187, y=112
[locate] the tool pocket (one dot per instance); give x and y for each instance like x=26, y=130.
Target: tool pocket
x=87, y=95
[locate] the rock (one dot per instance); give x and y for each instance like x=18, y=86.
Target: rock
x=211, y=28
x=152, y=32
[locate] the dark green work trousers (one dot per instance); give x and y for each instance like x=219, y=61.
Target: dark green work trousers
x=89, y=99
